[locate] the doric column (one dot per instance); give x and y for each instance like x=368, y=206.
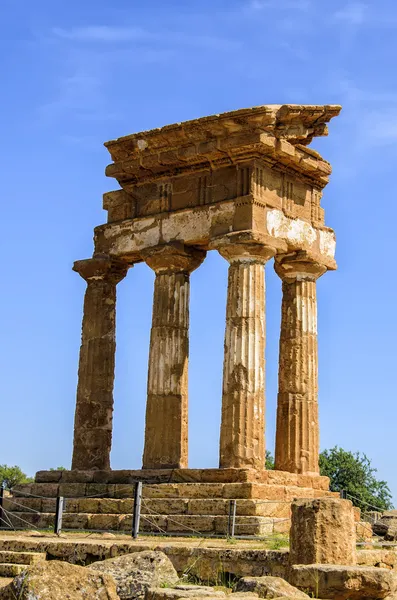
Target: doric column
x=242, y=443
x=94, y=404
x=166, y=431
x=297, y=435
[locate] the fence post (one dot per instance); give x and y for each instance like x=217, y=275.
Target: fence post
x=136, y=517
x=232, y=518
x=2, y=522
x=343, y=494
x=58, y=515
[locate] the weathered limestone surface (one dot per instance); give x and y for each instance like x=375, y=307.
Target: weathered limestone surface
x=297, y=434
x=270, y=587
x=202, y=562
x=344, y=582
x=94, y=404
x=136, y=573
x=185, y=591
x=158, y=476
x=387, y=525
x=322, y=531
x=243, y=395
x=166, y=432
x=384, y=559
x=56, y=580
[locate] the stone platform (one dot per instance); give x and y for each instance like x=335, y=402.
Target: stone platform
x=178, y=501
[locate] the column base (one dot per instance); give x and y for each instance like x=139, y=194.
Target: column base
x=153, y=476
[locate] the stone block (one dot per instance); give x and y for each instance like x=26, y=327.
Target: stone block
x=109, y=506
x=344, y=582
x=125, y=476
x=238, y=490
x=300, y=492
x=136, y=573
x=77, y=476
x=100, y=490
x=192, y=524
x=152, y=523
x=72, y=505
x=48, y=476
x=72, y=490
x=320, y=483
x=282, y=478
x=89, y=505
x=180, y=592
x=272, y=508
x=165, y=506
x=270, y=587
x=207, y=506
x=267, y=492
x=41, y=490
x=126, y=506
x=56, y=579
x=74, y=521
x=322, y=531
x=164, y=490
x=103, y=522
x=23, y=504
x=22, y=488
x=377, y=558
x=125, y=523
x=124, y=490
x=245, y=525
x=48, y=505
x=201, y=490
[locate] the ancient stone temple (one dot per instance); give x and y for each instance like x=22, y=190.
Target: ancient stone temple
x=246, y=185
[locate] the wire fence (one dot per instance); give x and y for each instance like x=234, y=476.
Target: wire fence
x=18, y=513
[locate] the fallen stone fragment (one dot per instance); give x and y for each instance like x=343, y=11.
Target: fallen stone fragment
x=57, y=580
x=344, y=582
x=184, y=591
x=387, y=525
x=270, y=587
x=135, y=573
x=193, y=592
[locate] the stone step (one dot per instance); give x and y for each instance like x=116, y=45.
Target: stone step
x=164, y=506
x=11, y=570
x=170, y=490
x=21, y=558
x=5, y=581
x=184, y=476
x=191, y=524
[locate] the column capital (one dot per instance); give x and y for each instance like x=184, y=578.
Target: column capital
x=298, y=266
x=173, y=258
x=244, y=246
x=101, y=268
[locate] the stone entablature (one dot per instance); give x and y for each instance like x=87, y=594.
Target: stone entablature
x=244, y=184
x=243, y=170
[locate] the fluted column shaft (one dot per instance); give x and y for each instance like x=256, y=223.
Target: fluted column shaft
x=166, y=431
x=242, y=438
x=94, y=403
x=297, y=434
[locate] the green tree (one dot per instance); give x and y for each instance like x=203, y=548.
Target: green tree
x=353, y=473
x=269, y=460
x=10, y=476
x=59, y=469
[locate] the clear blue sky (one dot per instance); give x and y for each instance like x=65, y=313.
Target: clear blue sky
x=75, y=74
